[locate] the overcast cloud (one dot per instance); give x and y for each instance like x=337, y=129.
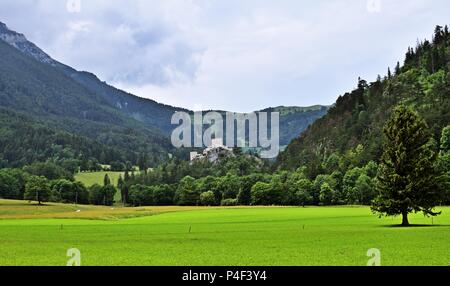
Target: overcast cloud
x=239, y=55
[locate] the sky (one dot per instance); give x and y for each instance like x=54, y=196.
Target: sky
x=236, y=55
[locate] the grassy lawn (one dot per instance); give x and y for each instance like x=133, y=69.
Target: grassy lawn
x=91, y=178
x=33, y=235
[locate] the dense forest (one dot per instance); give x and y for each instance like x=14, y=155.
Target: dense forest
x=353, y=126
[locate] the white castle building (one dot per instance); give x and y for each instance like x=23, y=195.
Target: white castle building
x=213, y=153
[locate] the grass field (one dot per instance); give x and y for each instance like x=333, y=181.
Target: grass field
x=32, y=235
x=91, y=178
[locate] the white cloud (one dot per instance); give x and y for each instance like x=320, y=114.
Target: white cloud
x=235, y=55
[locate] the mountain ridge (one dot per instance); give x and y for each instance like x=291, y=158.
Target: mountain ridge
x=61, y=97
x=142, y=109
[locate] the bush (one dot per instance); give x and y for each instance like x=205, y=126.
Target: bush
x=207, y=198
x=229, y=202
x=69, y=192
x=48, y=170
x=301, y=192
x=99, y=195
x=187, y=194
x=261, y=194
x=163, y=195
x=118, y=166
x=12, y=184
x=140, y=195
x=37, y=189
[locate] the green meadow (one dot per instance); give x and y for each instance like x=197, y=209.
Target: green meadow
x=91, y=178
x=33, y=235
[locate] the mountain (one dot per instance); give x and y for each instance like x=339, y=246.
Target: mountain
x=353, y=127
x=47, y=94
x=147, y=111
x=294, y=120
x=20, y=42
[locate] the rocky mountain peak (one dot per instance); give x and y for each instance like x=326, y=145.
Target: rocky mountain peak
x=20, y=42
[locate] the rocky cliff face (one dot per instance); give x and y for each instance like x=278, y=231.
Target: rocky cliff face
x=20, y=42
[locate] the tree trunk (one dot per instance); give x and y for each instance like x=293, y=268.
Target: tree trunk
x=405, y=221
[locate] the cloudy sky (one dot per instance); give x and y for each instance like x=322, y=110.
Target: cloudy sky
x=239, y=55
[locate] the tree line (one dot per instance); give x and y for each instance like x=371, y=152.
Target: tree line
x=46, y=182
x=342, y=183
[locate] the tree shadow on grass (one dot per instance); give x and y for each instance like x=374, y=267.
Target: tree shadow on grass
x=414, y=225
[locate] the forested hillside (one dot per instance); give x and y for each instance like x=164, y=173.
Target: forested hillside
x=50, y=99
x=350, y=135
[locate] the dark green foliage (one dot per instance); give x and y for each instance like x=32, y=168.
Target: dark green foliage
x=37, y=189
x=229, y=202
x=207, y=199
x=163, y=195
x=56, y=105
x=358, y=117
x=12, y=183
x=300, y=191
x=363, y=192
x=99, y=195
x=283, y=188
x=106, y=180
x=117, y=166
x=445, y=140
x=443, y=165
x=407, y=173
x=70, y=192
x=141, y=195
x=327, y=195
x=261, y=194
x=228, y=186
x=49, y=170
x=187, y=193
x=295, y=120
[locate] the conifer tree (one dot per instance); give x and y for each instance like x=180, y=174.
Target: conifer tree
x=397, y=68
x=407, y=178
x=106, y=180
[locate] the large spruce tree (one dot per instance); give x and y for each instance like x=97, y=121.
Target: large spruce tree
x=407, y=177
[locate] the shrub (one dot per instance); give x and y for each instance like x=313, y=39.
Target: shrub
x=207, y=198
x=229, y=202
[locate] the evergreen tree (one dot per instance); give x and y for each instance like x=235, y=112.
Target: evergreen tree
x=143, y=162
x=444, y=164
x=407, y=175
x=124, y=191
x=397, y=68
x=121, y=187
x=106, y=180
x=445, y=139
